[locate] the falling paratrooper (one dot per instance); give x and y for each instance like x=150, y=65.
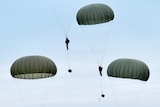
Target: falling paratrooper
x=91, y=16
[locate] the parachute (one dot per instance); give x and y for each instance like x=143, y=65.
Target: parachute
x=63, y=12
x=127, y=79
x=33, y=67
x=128, y=68
x=93, y=19
x=94, y=14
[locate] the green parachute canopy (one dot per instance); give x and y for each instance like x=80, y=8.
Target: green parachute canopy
x=94, y=14
x=128, y=68
x=33, y=67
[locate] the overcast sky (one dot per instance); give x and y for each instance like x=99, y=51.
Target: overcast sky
x=38, y=27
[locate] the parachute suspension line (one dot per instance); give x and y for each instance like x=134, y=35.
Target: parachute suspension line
x=19, y=91
x=87, y=16
x=101, y=61
x=68, y=61
x=139, y=94
x=49, y=89
x=93, y=52
x=96, y=41
x=101, y=85
x=97, y=20
x=101, y=89
x=113, y=91
x=65, y=24
x=100, y=68
x=60, y=10
x=92, y=42
x=67, y=41
x=106, y=39
x=89, y=41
